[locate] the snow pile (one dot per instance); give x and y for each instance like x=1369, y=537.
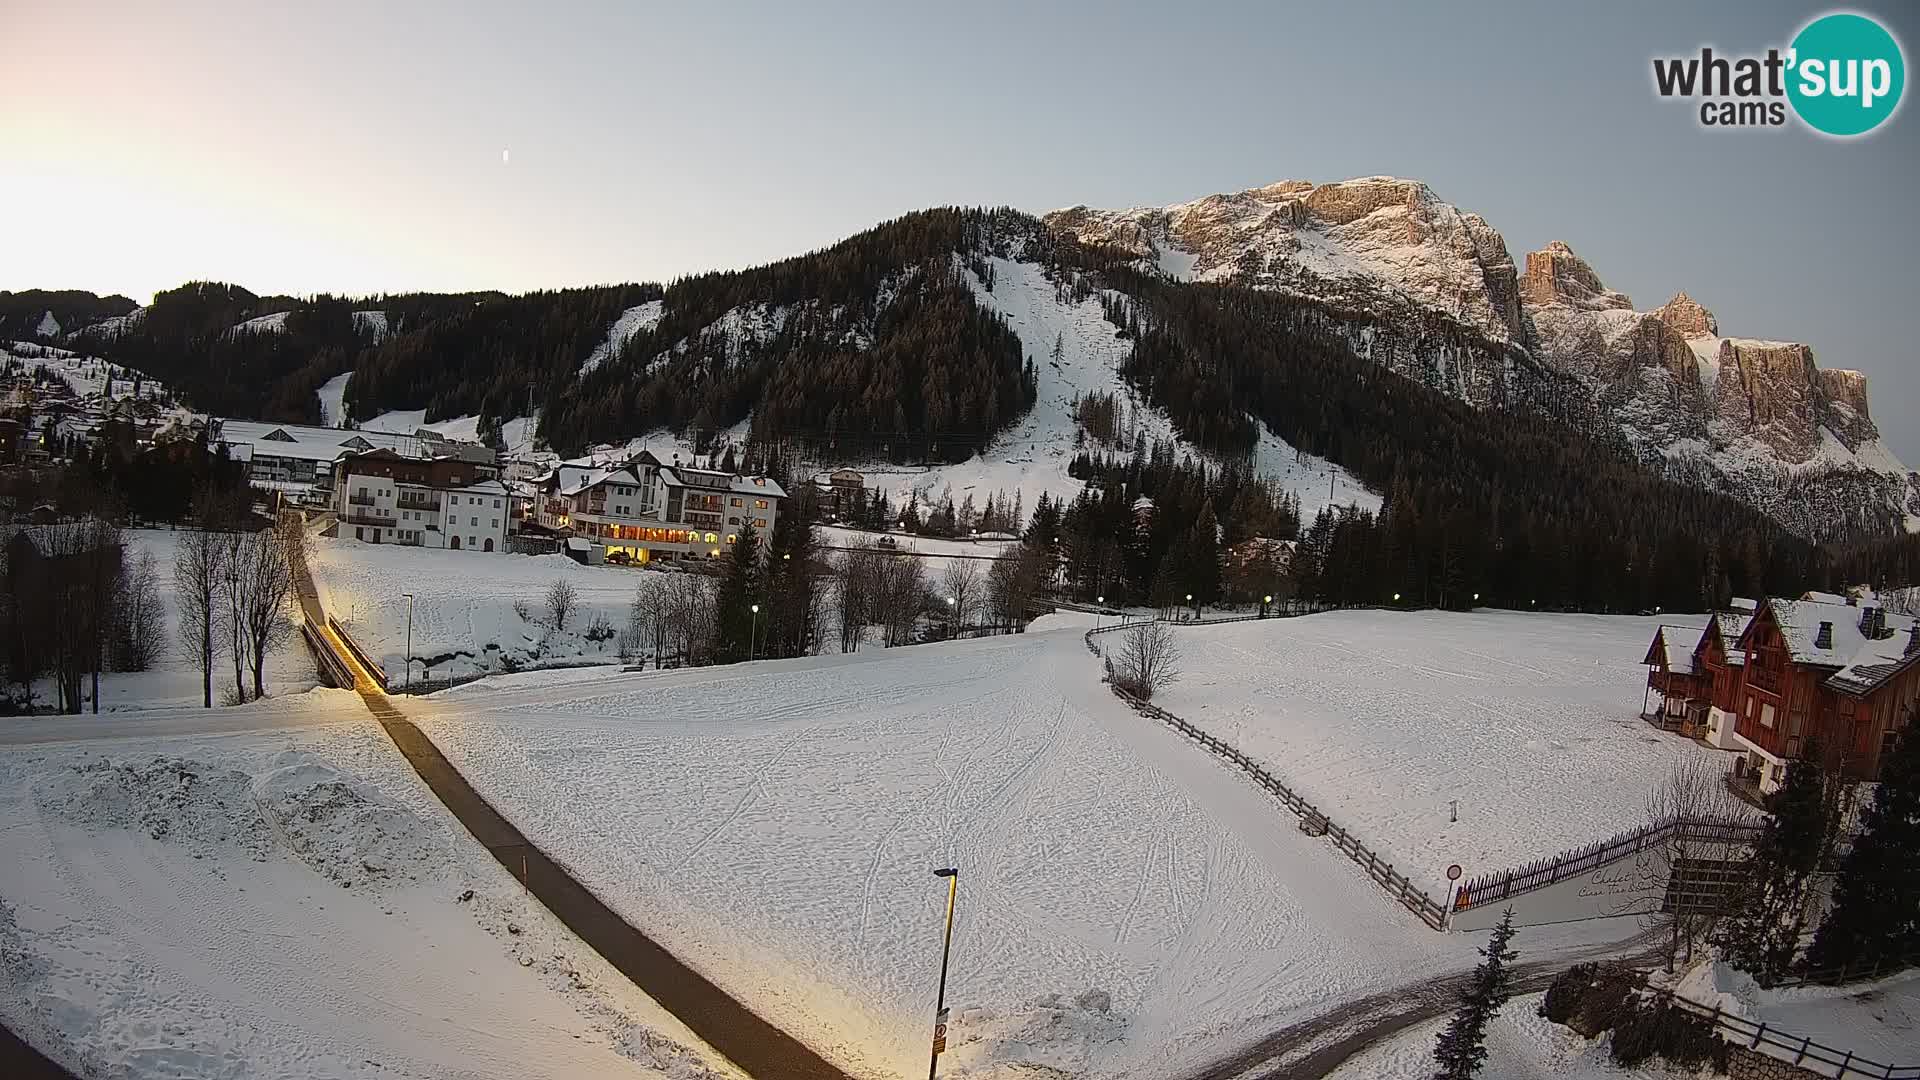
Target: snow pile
x=1384, y=720
x=1875, y=1020
x=1051, y=1034
x=230, y=907
x=631, y=321
x=49, y=326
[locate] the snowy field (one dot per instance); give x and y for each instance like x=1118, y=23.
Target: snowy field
x=1382, y=719
x=174, y=681
x=289, y=904
x=464, y=603
x=1879, y=1021
x=1125, y=904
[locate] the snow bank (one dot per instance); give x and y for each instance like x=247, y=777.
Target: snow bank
x=1875, y=1020
x=290, y=906
x=1383, y=720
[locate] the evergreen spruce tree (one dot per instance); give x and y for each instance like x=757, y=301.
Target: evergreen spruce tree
x=1462, y=1048
x=1764, y=933
x=793, y=582
x=740, y=589
x=1876, y=900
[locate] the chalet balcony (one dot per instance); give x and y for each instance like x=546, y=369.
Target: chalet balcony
x=360, y=500
x=417, y=503
x=369, y=519
x=1745, y=783
x=1767, y=679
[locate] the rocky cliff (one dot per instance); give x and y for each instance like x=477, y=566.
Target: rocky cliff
x=1756, y=418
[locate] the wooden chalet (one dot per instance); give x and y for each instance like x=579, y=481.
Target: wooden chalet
x=1830, y=669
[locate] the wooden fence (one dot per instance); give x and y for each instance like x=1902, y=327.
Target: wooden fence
x=1504, y=885
x=1312, y=820
x=1797, y=1050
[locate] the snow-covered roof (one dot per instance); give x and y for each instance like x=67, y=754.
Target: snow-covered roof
x=1800, y=622
x=1877, y=661
x=1743, y=603
x=1674, y=645
x=1730, y=625
x=484, y=487
x=1823, y=597
x=305, y=443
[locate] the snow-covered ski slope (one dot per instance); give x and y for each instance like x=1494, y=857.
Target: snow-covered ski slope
x=289, y=904
x=1385, y=719
x=1032, y=457
x=1126, y=905
x=88, y=375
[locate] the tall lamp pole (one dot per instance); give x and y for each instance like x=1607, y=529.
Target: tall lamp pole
x=753, y=631
x=409, y=597
x=940, y=1006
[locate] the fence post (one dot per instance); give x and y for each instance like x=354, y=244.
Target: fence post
x=1801, y=1055
x=1757, y=1033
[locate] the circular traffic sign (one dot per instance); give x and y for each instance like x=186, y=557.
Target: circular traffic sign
x=1453, y=872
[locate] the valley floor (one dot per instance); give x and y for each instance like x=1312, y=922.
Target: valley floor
x=1126, y=905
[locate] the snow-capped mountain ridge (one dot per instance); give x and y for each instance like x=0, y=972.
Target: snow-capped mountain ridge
x=1748, y=416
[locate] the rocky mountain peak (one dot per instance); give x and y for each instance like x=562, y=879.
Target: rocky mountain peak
x=1686, y=316
x=1555, y=275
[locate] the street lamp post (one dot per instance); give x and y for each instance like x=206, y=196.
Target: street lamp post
x=1265, y=602
x=1196, y=608
x=952, y=604
x=753, y=631
x=409, y=597
x=940, y=1005
x=1102, y=601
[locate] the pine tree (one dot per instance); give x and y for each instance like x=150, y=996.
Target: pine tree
x=740, y=589
x=793, y=582
x=1764, y=934
x=1876, y=900
x=1462, y=1048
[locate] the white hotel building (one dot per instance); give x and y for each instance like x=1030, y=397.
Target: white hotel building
x=645, y=511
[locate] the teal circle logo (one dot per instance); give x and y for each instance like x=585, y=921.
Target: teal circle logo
x=1847, y=74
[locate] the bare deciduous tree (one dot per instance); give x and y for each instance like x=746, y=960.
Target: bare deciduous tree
x=687, y=611
x=1676, y=881
x=199, y=565
x=1147, y=659
x=961, y=584
x=140, y=629
x=266, y=585
x=562, y=598
x=900, y=598
x=856, y=580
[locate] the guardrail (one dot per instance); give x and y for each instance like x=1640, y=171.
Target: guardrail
x=1505, y=884
x=1796, y=1050
x=379, y=673
x=1312, y=820
x=335, y=670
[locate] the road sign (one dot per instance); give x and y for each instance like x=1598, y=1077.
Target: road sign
x=1453, y=872
x=940, y=1033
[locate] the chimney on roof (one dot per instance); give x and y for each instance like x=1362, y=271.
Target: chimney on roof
x=1873, y=623
x=1824, y=639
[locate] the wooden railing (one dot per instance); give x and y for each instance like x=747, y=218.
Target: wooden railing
x=379, y=673
x=1312, y=820
x=1797, y=1050
x=1506, y=884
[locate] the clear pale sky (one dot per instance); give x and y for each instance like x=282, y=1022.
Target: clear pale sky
x=357, y=147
